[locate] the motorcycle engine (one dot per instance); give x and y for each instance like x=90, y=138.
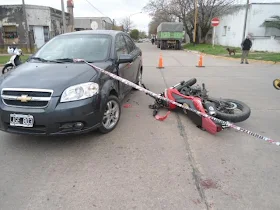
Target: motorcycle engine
x=193, y=91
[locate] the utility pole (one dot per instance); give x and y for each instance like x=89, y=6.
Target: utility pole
x=63, y=16
x=245, y=21
x=26, y=27
x=195, y=22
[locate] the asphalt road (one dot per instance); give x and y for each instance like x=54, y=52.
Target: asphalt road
x=148, y=164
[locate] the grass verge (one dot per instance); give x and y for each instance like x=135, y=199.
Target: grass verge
x=221, y=51
x=5, y=58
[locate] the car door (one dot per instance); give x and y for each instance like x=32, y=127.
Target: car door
x=135, y=53
x=124, y=68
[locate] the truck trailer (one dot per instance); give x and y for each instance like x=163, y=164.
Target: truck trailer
x=170, y=35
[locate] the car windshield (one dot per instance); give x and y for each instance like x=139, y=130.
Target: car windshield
x=89, y=47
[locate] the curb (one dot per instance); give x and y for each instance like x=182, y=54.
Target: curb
x=233, y=59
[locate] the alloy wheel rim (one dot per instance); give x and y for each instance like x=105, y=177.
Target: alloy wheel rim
x=111, y=114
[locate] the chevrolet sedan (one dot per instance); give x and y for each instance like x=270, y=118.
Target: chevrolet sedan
x=50, y=94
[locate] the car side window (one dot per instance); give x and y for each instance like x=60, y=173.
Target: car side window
x=120, y=46
x=130, y=45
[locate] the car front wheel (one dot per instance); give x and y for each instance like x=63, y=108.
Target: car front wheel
x=111, y=115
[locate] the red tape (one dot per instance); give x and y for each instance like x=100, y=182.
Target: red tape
x=162, y=118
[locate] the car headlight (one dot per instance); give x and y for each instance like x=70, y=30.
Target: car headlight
x=79, y=92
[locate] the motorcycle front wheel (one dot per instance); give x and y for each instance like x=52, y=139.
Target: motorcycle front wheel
x=231, y=110
x=7, y=68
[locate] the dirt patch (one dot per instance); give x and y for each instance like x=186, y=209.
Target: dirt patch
x=208, y=184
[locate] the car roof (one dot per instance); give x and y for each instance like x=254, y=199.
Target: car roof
x=103, y=32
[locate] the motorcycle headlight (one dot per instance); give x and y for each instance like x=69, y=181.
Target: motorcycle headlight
x=79, y=92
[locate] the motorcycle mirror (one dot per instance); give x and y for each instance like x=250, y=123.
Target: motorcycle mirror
x=276, y=84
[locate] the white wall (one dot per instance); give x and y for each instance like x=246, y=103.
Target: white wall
x=234, y=29
x=269, y=44
x=38, y=16
x=256, y=16
x=262, y=40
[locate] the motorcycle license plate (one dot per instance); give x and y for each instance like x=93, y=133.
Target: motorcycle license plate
x=20, y=120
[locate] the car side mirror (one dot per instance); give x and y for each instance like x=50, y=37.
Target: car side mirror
x=124, y=58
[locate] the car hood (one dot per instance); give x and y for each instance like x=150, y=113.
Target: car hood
x=54, y=76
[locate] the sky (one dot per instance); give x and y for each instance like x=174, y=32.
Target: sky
x=257, y=1
x=115, y=9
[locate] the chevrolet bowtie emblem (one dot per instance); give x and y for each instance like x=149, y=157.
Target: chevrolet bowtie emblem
x=24, y=98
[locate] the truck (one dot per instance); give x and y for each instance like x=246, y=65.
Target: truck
x=170, y=35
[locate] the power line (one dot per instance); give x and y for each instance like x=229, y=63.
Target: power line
x=96, y=8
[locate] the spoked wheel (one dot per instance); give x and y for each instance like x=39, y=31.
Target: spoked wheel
x=111, y=115
x=7, y=68
x=232, y=110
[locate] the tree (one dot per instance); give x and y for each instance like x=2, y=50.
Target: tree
x=134, y=34
x=274, y=22
x=118, y=28
x=157, y=18
x=142, y=34
x=184, y=10
x=127, y=24
x=159, y=12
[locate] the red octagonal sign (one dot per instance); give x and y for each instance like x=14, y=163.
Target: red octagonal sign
x=215, y=22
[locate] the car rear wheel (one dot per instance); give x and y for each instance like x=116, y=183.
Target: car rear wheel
x=111, y=115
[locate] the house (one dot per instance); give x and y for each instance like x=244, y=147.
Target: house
x=92, y=23
x=43, y=23
x=229, y=32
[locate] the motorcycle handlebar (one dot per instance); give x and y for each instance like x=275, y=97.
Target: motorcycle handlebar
x=185, y=84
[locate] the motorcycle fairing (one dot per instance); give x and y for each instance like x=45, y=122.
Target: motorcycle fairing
x=196, y=104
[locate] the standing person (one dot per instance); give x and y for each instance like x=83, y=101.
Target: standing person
x=246, y=46
x=153, y=40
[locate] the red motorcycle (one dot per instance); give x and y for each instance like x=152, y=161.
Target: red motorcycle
x=196, y=98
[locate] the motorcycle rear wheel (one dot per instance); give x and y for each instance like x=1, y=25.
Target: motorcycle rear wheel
x=7, y=68
x=229, y=113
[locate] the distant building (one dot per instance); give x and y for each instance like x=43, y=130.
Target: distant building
x=230, y=30
x=43, y=23
x=92, y=23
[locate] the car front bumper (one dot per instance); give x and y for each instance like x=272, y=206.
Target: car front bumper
x=56, y=119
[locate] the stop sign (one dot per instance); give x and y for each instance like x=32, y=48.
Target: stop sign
x=215, y=22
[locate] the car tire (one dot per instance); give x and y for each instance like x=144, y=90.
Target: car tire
x=110, y=114
x=7, y=68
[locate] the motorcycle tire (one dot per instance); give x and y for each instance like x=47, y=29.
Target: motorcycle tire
x=6, y=67
x=236, y=117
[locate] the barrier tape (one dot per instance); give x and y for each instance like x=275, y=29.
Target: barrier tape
x=226, y=123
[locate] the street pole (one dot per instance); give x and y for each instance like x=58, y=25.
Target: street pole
x=63, y=16
x=195, y=21
x=214, y=34
x=245, y=21
x=26, y=27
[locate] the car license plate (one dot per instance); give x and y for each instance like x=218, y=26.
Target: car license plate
x=21, y=120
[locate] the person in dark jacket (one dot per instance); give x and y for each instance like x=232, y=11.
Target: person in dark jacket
x=153, y=40
x=246, y=46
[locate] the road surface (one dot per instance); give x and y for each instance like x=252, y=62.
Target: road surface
x=148, y=164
